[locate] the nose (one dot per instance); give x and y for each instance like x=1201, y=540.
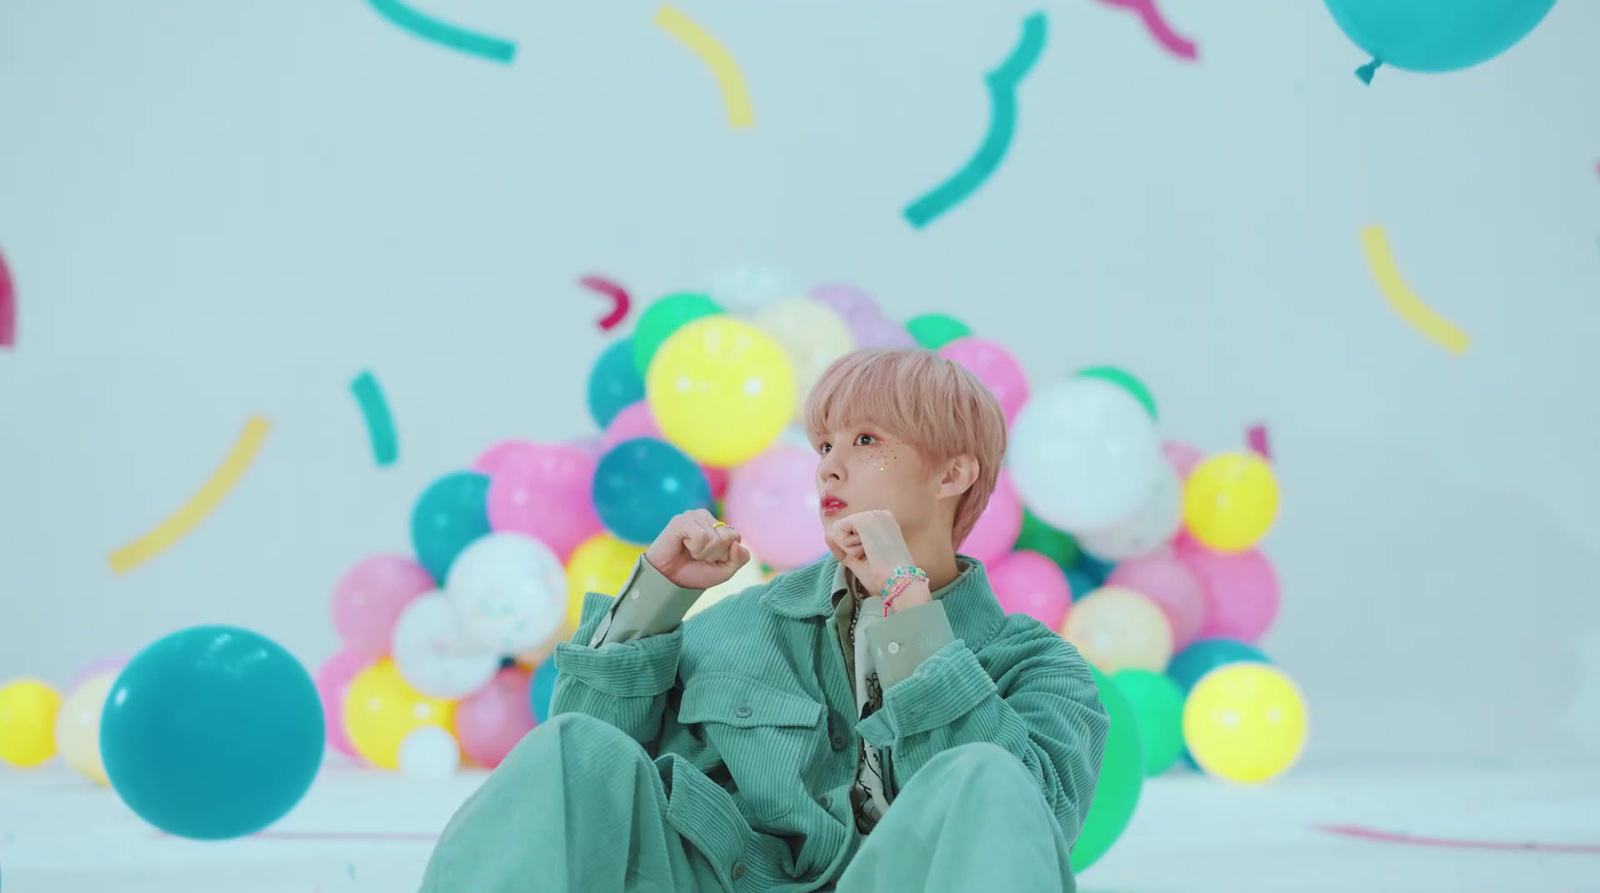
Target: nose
x=829, y=468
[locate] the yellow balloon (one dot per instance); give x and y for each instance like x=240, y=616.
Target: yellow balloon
x=721, y=390
x=601, y=563
x=813, y=336
x=743, y=578
x=28, y=710
x=1245, y=722
x=1230, y=501
x=78, y=726
x=381, y=709
x=1118, y=629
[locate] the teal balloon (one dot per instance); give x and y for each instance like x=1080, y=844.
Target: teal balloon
x=212, y=733
x=1097, y=569
x=614, y=383
x=1081, y=582
x=1205, y=655
x=1435, y=35
x=543, y=688
x=449, y=516
x=640, y=484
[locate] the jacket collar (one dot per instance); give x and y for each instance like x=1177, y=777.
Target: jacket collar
x=968, y=601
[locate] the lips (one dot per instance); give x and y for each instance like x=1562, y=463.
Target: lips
x=832, y=504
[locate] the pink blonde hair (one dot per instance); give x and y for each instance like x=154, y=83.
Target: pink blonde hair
x=923, y=399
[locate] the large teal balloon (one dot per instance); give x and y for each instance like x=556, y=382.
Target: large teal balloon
x=641, y=484
x=212, y=733
x=614, y=382
x=1435, y=35
x=1116, y=794
x=1205, y=655
x=449, y=516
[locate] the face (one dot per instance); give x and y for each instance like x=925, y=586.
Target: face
x=862, y=468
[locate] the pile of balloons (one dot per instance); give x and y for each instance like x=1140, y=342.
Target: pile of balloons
x=1143, y=553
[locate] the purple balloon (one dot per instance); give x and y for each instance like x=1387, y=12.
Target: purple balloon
x=868, y=326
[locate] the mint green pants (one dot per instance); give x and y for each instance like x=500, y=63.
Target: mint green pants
x=579, y=806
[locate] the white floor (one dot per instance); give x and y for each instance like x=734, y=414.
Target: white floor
x=365, y=831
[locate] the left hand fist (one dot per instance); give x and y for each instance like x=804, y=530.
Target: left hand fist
x=870, y=545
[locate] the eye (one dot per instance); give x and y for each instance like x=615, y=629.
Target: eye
x=824, y=447
x=865, y=440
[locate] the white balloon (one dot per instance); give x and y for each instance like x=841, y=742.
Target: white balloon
x=509, y=591
x=1149, y=528
x=429, y=753
x=746, y=287
x=813, y=336
x=435, y=655
x=742, y=579
x=1084, y=454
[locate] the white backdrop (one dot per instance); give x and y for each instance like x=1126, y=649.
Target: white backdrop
x=214, y=210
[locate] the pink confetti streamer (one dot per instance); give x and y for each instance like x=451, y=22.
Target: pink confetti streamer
x=1256, y=436
x=1156, y=24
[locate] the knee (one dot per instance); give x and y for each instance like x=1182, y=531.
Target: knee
x=985, y=766
x=569, y=734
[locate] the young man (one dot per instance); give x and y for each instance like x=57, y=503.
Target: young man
x=871, y=722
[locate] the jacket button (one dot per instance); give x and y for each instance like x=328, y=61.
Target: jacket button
x=838, y=741
x=742, y=711
x=738, y=870
x=826, y=801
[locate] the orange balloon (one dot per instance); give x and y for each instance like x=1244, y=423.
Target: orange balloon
x=1118, y=629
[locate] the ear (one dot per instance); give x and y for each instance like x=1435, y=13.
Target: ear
x=959, y=475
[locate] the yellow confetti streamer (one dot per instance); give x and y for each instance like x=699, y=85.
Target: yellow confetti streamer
x=1405, y=302
x=716, y=57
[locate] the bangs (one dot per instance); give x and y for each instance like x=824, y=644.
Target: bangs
x=897, y=390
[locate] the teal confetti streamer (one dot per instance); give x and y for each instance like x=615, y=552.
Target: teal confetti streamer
x=1002, y=83
x=380, y=424
x=445, y=34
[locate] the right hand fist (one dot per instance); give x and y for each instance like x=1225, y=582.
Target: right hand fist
x=696, y=552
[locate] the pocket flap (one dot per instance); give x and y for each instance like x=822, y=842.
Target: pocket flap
x=744, y=702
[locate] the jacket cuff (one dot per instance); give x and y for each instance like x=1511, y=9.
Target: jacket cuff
x=648, y=605
x=946, y=687
x=903, y=640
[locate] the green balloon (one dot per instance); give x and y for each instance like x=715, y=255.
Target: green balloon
x=663, y=318
x=1126, y=380
x=1053, y=544
x=1157, y=702
x=1121, y=777
x=935, y=330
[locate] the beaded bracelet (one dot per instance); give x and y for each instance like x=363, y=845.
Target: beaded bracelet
x=899, y=579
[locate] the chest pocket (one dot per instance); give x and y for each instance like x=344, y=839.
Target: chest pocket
x=764, y=735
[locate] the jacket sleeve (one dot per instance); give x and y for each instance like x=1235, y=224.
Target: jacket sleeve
x=630, y=660
x=1046, y=710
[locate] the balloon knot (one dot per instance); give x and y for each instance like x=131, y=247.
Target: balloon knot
x=1366, y=71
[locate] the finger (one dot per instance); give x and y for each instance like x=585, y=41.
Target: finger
x=697, y=542
x=844, y=527
x=741, y=556
x=718, y=545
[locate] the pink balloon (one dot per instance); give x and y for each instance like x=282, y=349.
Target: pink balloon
x=995, y=367
x=370, y=597
x=997, y=528
x=333, y=683
x=773, y=503
x=103, y=665
x=546, y=492
x=491, y=460
x=1182, y=457
x=635, y=420
x=1241, y=590
x=490, y=721
x=589, y=445
x=1028, y=583
x=1172, y=586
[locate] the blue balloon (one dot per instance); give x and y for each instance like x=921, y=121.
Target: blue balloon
x=642, y=483
x=614, y=382
x=543, y=688
x=1205, y=655
x=212, y=733
x=449, y=516
x=1435, y=35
